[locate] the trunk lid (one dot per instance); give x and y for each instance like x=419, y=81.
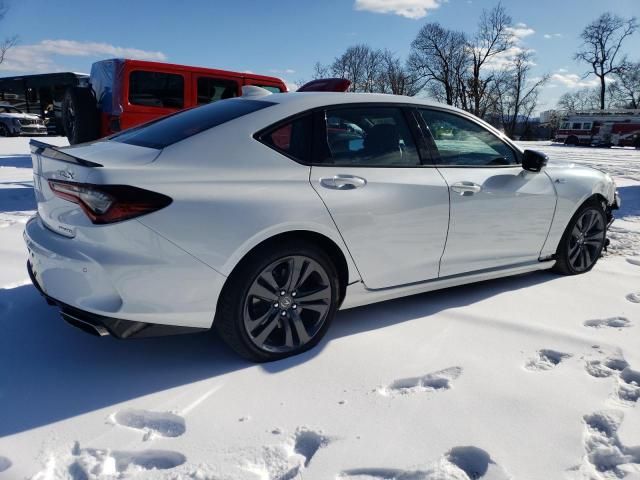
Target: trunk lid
x=75, y=164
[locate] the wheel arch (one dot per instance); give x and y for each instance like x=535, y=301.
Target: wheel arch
x=341, y=258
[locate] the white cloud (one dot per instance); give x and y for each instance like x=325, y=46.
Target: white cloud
x=413, y=9
x=549, y=36
x=286, y=71
x=572, y=80
x=40, y=57
x=520, y=30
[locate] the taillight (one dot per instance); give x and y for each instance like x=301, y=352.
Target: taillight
x=109, y=203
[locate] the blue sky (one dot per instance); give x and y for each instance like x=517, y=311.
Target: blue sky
x=284, y=38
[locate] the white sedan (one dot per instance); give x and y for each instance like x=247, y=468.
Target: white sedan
x=260, y=217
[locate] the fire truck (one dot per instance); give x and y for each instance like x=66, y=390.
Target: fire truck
x=602, y=128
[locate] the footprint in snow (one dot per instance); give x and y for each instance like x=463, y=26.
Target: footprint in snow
x=546, y=359
x=605, y=453
x=287, y=461
x=431, y=382
x=460, y=463
x=633, y=297
x=613, y=322
x=163, y=424
x=627, y=379
x=5, y=464
x=90, y=461
x=634, y=261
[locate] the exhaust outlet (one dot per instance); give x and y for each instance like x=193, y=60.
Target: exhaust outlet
x=87, y=327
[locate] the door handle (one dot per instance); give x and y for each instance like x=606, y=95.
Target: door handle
x=466, y=188
x=343, y=182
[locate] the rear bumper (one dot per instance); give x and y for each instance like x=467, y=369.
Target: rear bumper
x=127, y=281
x=101, y=326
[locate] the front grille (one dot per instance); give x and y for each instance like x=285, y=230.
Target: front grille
x=30, y=121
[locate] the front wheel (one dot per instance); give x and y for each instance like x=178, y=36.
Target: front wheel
x=583, y=240
x=279, y=302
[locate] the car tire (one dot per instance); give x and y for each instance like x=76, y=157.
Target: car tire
x=583, y=240
x=80, y=115
x=263, y=323
x=572, y=140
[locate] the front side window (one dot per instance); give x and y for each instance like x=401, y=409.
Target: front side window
x=156, y=89
x=565, y=126
x=369, y=137
x=292, y=138
x=461, y=142
x=212, y=89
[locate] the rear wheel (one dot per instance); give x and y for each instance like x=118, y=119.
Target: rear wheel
x=583, y=240
x=279, y=302
x=572, y=140
x=80, y=115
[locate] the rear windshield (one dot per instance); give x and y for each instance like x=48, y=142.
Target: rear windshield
x=169, y=130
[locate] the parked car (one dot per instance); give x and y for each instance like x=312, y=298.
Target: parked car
x=123, y=93
x=255, y=217
x=14, y=122
x=41, y=94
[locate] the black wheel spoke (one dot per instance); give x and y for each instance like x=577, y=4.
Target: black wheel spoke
x=321, y=293
x=268, y=329
x=253, y=324
x=301, y=331
x=260, y=291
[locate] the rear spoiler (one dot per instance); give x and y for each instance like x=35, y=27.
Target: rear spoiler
x=326, y=85
x=51, y=151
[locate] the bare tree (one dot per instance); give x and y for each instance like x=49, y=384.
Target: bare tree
x=440, y=55
x=625, y=91
x=9, y=42
x=602, y=40
x=518, y=93
x=493, y=38
x=395, y=78
x=580, y=100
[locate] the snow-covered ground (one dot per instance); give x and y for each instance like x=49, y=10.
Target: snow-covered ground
x=532, y=377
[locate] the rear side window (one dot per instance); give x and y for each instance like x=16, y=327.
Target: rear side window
x=169, y=130
x=212, y=89
x=156, y=89
x=292, y=138
x=369, y=137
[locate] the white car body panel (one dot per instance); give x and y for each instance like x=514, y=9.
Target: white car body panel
x=395, y=225
x=505, y=223
x=230, y=193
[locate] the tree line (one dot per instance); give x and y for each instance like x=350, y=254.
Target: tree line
x=489, y=72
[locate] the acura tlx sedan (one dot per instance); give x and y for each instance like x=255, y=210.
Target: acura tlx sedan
x=261, y=216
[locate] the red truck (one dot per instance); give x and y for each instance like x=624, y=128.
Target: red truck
x=122, y=93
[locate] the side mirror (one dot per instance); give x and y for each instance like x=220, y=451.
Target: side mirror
x=534, y=161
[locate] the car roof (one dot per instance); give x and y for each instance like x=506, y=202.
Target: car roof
x=309, y=100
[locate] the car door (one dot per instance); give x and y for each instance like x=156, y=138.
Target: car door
x=500, y=213
x=391, y=209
